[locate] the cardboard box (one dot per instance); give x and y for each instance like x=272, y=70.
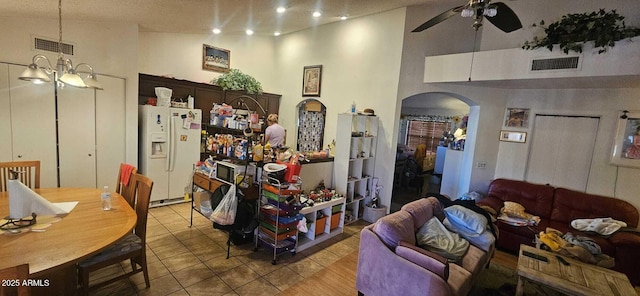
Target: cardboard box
x=200, y=196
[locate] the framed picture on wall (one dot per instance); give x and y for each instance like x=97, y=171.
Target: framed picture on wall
x=626, y=145
x=215, y=59
x=513, y=136
x=311, y=81
x=516, y=117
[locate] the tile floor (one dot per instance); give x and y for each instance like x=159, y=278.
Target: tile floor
x=185, y=260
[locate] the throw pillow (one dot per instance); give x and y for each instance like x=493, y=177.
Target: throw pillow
x=514, y=210
x=428, y=260
x=483, y=241
x=434, y=237
x=465, y=218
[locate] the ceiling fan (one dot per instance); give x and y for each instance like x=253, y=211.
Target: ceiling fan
x=498, y=13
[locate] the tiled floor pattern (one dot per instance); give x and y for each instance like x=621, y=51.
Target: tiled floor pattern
x=185, y=260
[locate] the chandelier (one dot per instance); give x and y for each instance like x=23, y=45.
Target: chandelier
x=64, y=72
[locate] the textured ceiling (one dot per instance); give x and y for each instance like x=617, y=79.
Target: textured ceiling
x=201, y=16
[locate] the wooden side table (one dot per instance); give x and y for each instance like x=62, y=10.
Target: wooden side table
x=577, y=278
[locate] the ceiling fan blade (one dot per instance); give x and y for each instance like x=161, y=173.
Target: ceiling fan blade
x=506, y=20
x=439, y=18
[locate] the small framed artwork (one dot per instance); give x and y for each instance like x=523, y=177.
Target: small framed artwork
x=513, y=136
x=626, y=145
x=516, y=117
x=311, y=81
x=215, y=59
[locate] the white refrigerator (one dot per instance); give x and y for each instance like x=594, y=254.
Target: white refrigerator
x=169, y=147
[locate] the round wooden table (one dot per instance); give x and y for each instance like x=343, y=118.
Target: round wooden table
x=85, y=231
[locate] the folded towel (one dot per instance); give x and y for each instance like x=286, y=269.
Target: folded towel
x=603, y=226
x=125, y=173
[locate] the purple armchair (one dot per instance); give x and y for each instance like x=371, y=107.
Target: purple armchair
x=390, y=263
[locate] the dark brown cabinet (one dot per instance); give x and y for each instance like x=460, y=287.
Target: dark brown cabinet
x=205, y=98
x=205, y=95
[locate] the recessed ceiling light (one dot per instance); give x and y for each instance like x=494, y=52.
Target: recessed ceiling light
x=276, y=33
x=344, y=17
x=281, y=9
x=216, y=31
x=316, y=14
x=249, y=32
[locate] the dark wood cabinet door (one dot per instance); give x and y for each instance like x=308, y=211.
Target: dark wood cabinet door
x=147, y=87
x=205, y=98
x=181, y=91
x=205, y=95
x=274, y=103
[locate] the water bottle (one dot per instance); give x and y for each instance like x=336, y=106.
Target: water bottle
x=353, y=107
x=106, y=199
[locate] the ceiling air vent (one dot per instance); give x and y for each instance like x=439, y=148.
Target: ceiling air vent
x=48, y=45
x=555, y=64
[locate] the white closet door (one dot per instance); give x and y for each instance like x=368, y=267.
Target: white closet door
x=5, y=115
x=76, y=135
x=545, y=142
x=575, y=153
x=561, y=151
x=110, y=130
x=33, y=125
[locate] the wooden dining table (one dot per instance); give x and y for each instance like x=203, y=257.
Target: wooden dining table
x=53, y=253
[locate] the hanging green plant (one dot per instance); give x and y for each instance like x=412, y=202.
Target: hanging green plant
x=236, y=80
x=573, y=30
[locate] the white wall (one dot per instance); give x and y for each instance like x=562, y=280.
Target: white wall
x=604, y=178
x=360, y=61
x=508, y=159
x=180, y=56
x=110, y=48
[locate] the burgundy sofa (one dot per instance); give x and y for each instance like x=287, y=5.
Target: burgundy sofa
x=389, y=263
x=557, y=207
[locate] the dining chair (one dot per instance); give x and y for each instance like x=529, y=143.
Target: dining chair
x=124, y=184
x=12, y=278
x=29, y=173
x=130, y=247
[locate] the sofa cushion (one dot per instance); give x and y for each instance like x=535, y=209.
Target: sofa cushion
x=394, y=228
x=537, y=199
x=569, y=205
x=428, y=260
x=466, y=219
x=460, y=280
x=605, y=244
x=474, y=260
x=421, y=210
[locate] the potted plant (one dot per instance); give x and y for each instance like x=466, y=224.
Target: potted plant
x=573, y=30
x=236, y=80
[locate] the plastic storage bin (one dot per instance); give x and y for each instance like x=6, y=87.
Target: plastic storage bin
x=335, y=220
x=320, y=223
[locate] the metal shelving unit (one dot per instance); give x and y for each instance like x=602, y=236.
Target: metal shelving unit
x=278, y=218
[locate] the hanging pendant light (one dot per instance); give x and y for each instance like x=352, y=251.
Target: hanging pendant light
x=66, y=74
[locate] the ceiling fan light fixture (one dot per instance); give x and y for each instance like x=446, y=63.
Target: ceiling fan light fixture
x=468, y=12
x=490, y=11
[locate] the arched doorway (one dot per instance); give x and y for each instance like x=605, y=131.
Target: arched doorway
x=424, y=119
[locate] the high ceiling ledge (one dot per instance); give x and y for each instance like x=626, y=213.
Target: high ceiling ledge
x=619, y=67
